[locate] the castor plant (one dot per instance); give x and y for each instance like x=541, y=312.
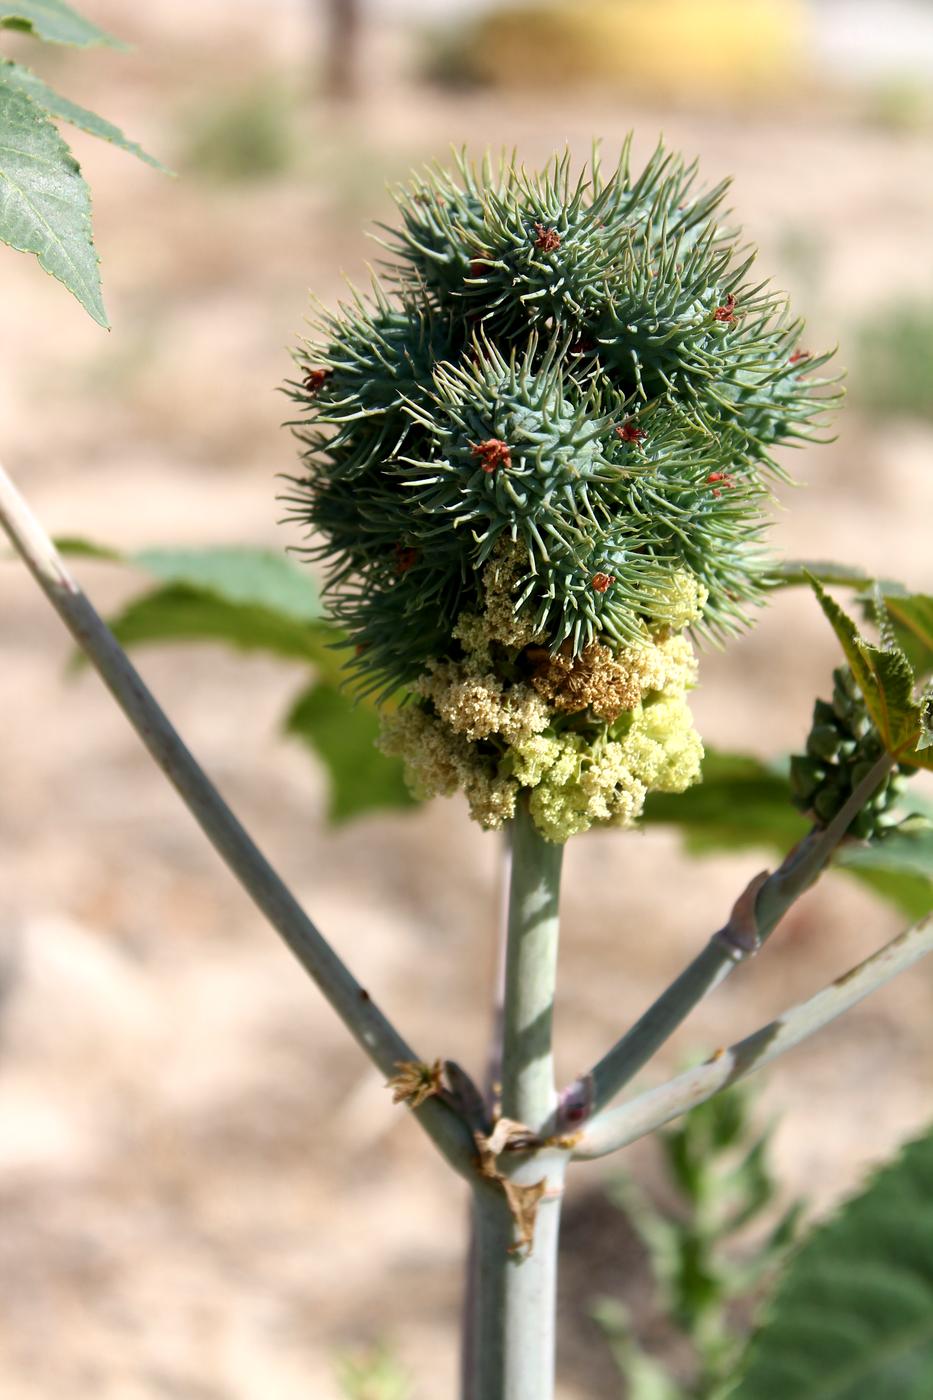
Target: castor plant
x=538, y=463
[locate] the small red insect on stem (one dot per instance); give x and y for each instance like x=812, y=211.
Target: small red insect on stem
x=799, y=355
x=315, y=379
x=627, y=432
x=726, y=312
x=600, y=582
x=493, y=453
x=548, y=239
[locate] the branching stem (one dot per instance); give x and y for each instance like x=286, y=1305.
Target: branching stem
x=755, y=915
x=353, y=1004
x=617, y=1127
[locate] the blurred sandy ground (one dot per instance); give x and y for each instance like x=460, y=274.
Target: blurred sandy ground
x=205, y=1192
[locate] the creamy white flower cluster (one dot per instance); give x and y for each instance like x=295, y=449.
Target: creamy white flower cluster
x=584, y=739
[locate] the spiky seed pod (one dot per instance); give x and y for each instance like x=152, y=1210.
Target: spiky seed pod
x=842, y=747
x=570, y=387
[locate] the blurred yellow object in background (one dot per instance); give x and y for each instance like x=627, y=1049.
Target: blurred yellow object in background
x=696, y=49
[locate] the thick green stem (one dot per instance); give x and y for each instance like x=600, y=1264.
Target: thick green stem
x=514, y=1285
x=515, y=1317
x=528, y=1090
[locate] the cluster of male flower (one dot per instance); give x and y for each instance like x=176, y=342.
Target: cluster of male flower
x=586, y=737
x=536, y=458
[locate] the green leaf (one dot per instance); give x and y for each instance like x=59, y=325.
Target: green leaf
x=258, y=600
x=912, y=617
x=904, y=850
x=910, y=613
x=251, y=599
x=77, y=547
x=234, y=573
x=743, y=803
x=343, y=735
x=13, y=75
x=374, y=1375
x=45, y=206
x=795, y=573
x=909, y=893
x=740, y=804
x=645, y=1377
x=853, y=1316
x=886, y=680
x=55, y=22
x=180, y=612
x=898, y=866
x=261, y=577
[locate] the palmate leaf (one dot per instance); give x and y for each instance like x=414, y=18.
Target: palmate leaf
x=853, y=1316
x=55, y=22
x=343, y=736
x=886, y=679
x=797, y=573
x=238, y=574
x=251, y=599
x=45, y=205
x=911, y=616
x=898, y=866
x=14, y=75
x=179, y=612
x=258, y=600
x=744, y=804
x=740, y=804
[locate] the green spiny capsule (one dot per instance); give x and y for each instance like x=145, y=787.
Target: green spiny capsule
x=535, y=455
x=843, y=706
x=806, y=777
x=865, y=825
x=824, y=714
x=824, y=741
x=843, y=747
x=845, y=681
x=826, y=803
x=579, y=365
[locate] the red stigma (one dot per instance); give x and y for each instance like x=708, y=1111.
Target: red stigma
x=627, y=432
x=799, y=355
x=493, y=453
x=726, y=480
x=600, y=582
x=405, y=556
x=548, y=239
x=726, y=312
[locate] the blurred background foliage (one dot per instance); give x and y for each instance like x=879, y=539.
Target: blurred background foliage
x=672, y=50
